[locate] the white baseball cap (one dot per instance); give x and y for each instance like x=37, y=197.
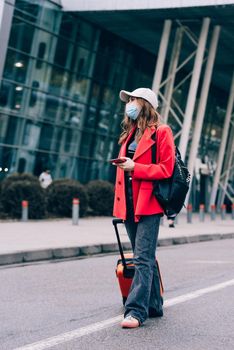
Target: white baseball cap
x=145, y=93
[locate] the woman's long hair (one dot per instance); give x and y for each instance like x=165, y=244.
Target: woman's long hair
x=147, y=118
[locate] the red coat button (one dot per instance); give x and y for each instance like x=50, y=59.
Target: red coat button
x=118, y=199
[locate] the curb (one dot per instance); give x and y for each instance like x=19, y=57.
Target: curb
x=89, y=250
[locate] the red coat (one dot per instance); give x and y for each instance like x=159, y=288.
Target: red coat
x=144, y=172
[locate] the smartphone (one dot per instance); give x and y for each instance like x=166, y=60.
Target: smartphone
x=117, y=160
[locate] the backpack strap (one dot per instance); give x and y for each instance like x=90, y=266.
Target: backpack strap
x=154, y=138
x=154, y=148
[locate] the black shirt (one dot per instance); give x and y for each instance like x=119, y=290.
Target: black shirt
x=132, y=145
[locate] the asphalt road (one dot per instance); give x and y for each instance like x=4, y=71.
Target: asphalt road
x=44, y=300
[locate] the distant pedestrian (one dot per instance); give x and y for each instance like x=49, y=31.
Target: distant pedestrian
x=171, y=219
x=45, y=178
x=135, y=202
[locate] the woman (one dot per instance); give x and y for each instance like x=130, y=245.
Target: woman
x=134, y=201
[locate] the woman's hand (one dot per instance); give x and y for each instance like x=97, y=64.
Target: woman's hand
x=128, y=165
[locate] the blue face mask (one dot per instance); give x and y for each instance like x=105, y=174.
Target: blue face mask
x=132, y=110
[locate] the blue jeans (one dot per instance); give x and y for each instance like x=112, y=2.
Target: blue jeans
x=145, y=289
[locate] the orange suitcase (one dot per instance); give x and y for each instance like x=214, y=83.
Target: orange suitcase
x=125, y=267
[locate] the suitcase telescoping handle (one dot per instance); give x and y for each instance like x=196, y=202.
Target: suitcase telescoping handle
x=115, y=223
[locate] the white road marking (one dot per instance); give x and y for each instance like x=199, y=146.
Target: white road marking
x=198, y=293
x=68, y=336
x=95, y=327
x=212, y=261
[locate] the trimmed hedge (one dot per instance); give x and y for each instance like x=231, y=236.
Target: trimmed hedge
x=60, y=195
x=14, y=190
x=101, y=197
x=19, y=177
x=55, y=200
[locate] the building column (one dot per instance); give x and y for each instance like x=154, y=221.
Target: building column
x=223, y=143
x=6, y=14
x=193, y=87
x=228, y=169
x=172, y=73
x=161, y=56
x=203, y=101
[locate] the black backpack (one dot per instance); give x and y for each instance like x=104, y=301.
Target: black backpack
x=171, y=192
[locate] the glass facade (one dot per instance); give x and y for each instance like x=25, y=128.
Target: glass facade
x=59, y=105
x=59, y=97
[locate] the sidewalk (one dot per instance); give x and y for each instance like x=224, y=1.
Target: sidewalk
x=57, y=239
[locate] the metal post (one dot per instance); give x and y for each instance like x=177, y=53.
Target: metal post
x=203, y=101
x=193, y=88
x=1, y=12
x=223, y=143
x=202, y=212
x=162, y=221
x=24, y=216
x=189, y=213
x=75, y=211
x=6, y=15
x=172, y=73
x=212, y=212
x=223, y=211
x=161, y=56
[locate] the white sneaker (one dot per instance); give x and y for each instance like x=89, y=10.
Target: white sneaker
x=130, y=322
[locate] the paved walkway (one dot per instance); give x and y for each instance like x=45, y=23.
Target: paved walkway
x=54, y=239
